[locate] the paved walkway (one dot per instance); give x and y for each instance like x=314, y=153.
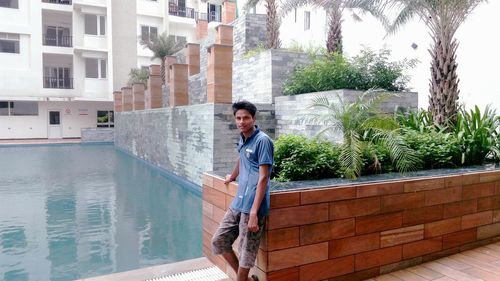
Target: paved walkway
x=474, y=265
x=39, y=141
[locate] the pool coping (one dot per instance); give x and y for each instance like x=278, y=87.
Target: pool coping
x=154, y=271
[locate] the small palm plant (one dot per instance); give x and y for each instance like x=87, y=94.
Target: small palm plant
x=138, y=75
x=362, y=124
x=162, y=46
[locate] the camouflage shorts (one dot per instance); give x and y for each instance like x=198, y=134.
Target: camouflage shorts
x=235, y=224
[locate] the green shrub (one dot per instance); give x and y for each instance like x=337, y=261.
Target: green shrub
x=366, y=71
x=478, y=135
x=435, y=149
x=322, y=75
x=376, y=159
x=297, y=158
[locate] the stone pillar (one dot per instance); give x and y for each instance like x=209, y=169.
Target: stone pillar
x=201, y=29
x=219, y=74
x=169, y=60
x=138, y=95
x=193, y=58
x=155, y=98
x=118, y=101
x=178, y=92
x=127, y=99
x=228, y=12
x=224, y=34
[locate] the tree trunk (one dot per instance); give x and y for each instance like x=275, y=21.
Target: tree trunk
x=443, y=98
x=272, y=25
x=162, y=70
x=334, y=39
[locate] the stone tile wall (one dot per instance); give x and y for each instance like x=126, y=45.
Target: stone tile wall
x=260, y=78
x=249, y=32
x=359, y=231
x=292, y=111
x=186, y=140
x=97, y=135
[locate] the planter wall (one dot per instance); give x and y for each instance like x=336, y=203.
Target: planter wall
x=357, y=231
x=292, y=110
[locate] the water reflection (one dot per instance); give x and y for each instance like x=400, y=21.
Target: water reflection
x=70, y=212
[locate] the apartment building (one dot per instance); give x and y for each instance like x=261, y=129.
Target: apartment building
x=61, y=60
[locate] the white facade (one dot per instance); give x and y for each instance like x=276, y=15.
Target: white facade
x=70, y=55
x=477, y=54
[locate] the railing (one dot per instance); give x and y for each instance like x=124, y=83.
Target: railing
x=57, y=83
x=213, y=16
x=63, y=2
x=60, y=41
x=181, y=12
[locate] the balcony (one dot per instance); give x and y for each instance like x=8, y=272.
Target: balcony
x=58, y=41
x=184, y=12
x=62, y=2
x=212, y=16
x=51, y=82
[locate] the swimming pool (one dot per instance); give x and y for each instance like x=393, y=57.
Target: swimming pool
x=75, y=211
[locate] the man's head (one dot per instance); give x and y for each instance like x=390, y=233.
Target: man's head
x=244, y=114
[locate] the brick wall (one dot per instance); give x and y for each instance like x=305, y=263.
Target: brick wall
x=360, y=231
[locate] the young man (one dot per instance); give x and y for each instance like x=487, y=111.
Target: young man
x=245, y=216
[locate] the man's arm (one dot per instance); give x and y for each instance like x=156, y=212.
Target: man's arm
x=234, y=174
x=253, y=220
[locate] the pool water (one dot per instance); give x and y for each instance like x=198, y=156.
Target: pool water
x=75, y=211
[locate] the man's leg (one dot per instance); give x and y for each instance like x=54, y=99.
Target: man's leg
x=222, y=242
x=232, y=260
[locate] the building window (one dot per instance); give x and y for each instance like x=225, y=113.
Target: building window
x=14, y=4
x=307, y=20
x=295, y=14
x=105, y=119
x=18, y=108
x=148, y=33
x=9, y=43
x=95, y=68
x=95, y=25
x=4, y=108
x=179, y=39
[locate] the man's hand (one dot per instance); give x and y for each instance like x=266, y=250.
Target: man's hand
x=228, y=179
x=253, y=223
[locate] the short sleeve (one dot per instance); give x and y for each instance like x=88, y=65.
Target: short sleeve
x=265, y=149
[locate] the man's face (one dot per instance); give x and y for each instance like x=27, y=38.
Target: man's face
x=244, y=121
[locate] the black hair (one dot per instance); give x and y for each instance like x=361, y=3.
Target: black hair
x=248, y=106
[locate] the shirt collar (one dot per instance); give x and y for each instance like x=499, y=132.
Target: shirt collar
x=257, y=130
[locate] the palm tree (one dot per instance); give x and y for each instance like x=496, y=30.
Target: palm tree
x=138, y=75
x=362, y=124
x=334, y=10
x=443, y=18
x=162, y=46
x=273, y=22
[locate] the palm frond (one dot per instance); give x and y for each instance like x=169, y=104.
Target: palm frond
x=350, y=155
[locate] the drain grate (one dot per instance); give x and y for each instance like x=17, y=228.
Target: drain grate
x=206, y=274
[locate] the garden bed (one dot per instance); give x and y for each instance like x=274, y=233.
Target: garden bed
x=353, y=230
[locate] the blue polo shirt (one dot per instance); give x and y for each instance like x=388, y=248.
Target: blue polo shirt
x=257, y=150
